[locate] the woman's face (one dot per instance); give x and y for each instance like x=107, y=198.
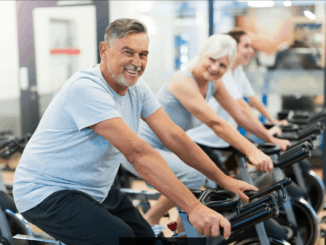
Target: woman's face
x=213, y=69
x=244, y=51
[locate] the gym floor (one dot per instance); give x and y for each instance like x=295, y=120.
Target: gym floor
x=140, y=185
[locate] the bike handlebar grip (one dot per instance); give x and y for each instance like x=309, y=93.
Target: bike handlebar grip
x=251, y=205
x=276, y=187
x=308, y=132
x=269, y=148
x=288, y=152
x=248, y=211
x=319, y=115
x=308, y=139
x=295, y=157
x=254, y=218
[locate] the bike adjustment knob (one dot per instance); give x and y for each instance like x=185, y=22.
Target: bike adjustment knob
x=173, y=226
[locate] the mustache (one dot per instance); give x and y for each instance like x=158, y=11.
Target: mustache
x=132, y=67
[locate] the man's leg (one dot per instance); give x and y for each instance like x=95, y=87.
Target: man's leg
x=73, y=217
x=120, y=206
x=189, y=176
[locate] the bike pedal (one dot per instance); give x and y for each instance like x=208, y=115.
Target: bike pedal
x=323, y=220
x=322, y=233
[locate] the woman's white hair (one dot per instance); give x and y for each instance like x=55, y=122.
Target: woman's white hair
x=217, y=46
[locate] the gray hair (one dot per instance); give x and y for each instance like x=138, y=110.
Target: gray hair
x=217, y=46
x=122, y=27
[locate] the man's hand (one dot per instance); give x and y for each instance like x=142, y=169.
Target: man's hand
x=238, y=187
x=208, y=222
x=282, y=143
x=261, y=161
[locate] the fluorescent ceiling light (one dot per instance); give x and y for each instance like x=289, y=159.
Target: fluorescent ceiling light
x=68, y=2
x=309, y=14
x=287, y=3
x=260, y=4
x=148, y=23
x=145, y=6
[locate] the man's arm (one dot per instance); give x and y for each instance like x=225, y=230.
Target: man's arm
x=152, y=168
x=145, y=160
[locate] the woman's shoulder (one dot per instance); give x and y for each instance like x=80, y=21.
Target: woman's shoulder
x=182, y=78
x=182, y=74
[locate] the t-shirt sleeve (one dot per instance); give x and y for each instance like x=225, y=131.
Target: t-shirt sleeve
x=88, y=103
x=246, y=87
x=149, y=104
x=231, y=87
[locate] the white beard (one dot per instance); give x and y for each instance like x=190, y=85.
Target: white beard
x=121, y=80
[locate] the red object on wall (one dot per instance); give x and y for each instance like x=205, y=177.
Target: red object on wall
x=70, y=51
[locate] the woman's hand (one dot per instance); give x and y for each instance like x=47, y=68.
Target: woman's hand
x=261, y=161
x=238, y=187
x=282, y=143
x=274, y=131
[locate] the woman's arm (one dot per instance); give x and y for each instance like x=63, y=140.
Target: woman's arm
x=244, y=105
x=176, y=140
x=243, y=118
x=255, y=102
x=186, y=91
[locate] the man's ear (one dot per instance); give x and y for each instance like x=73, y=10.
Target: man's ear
x=103, y=48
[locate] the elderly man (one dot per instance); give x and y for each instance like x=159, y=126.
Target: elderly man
x=63, y=183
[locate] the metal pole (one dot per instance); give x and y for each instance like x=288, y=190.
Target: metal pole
x=29, y=98
x=102, y=21
x=210, y=17
x=324, y=136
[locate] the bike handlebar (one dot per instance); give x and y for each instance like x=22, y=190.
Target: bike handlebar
x=298, y=155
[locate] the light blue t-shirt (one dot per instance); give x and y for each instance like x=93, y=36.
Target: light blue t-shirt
x=238, y=85
x=64, y=153
x=175, y=110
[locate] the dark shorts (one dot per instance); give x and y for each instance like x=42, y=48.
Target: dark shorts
x=74, y=217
